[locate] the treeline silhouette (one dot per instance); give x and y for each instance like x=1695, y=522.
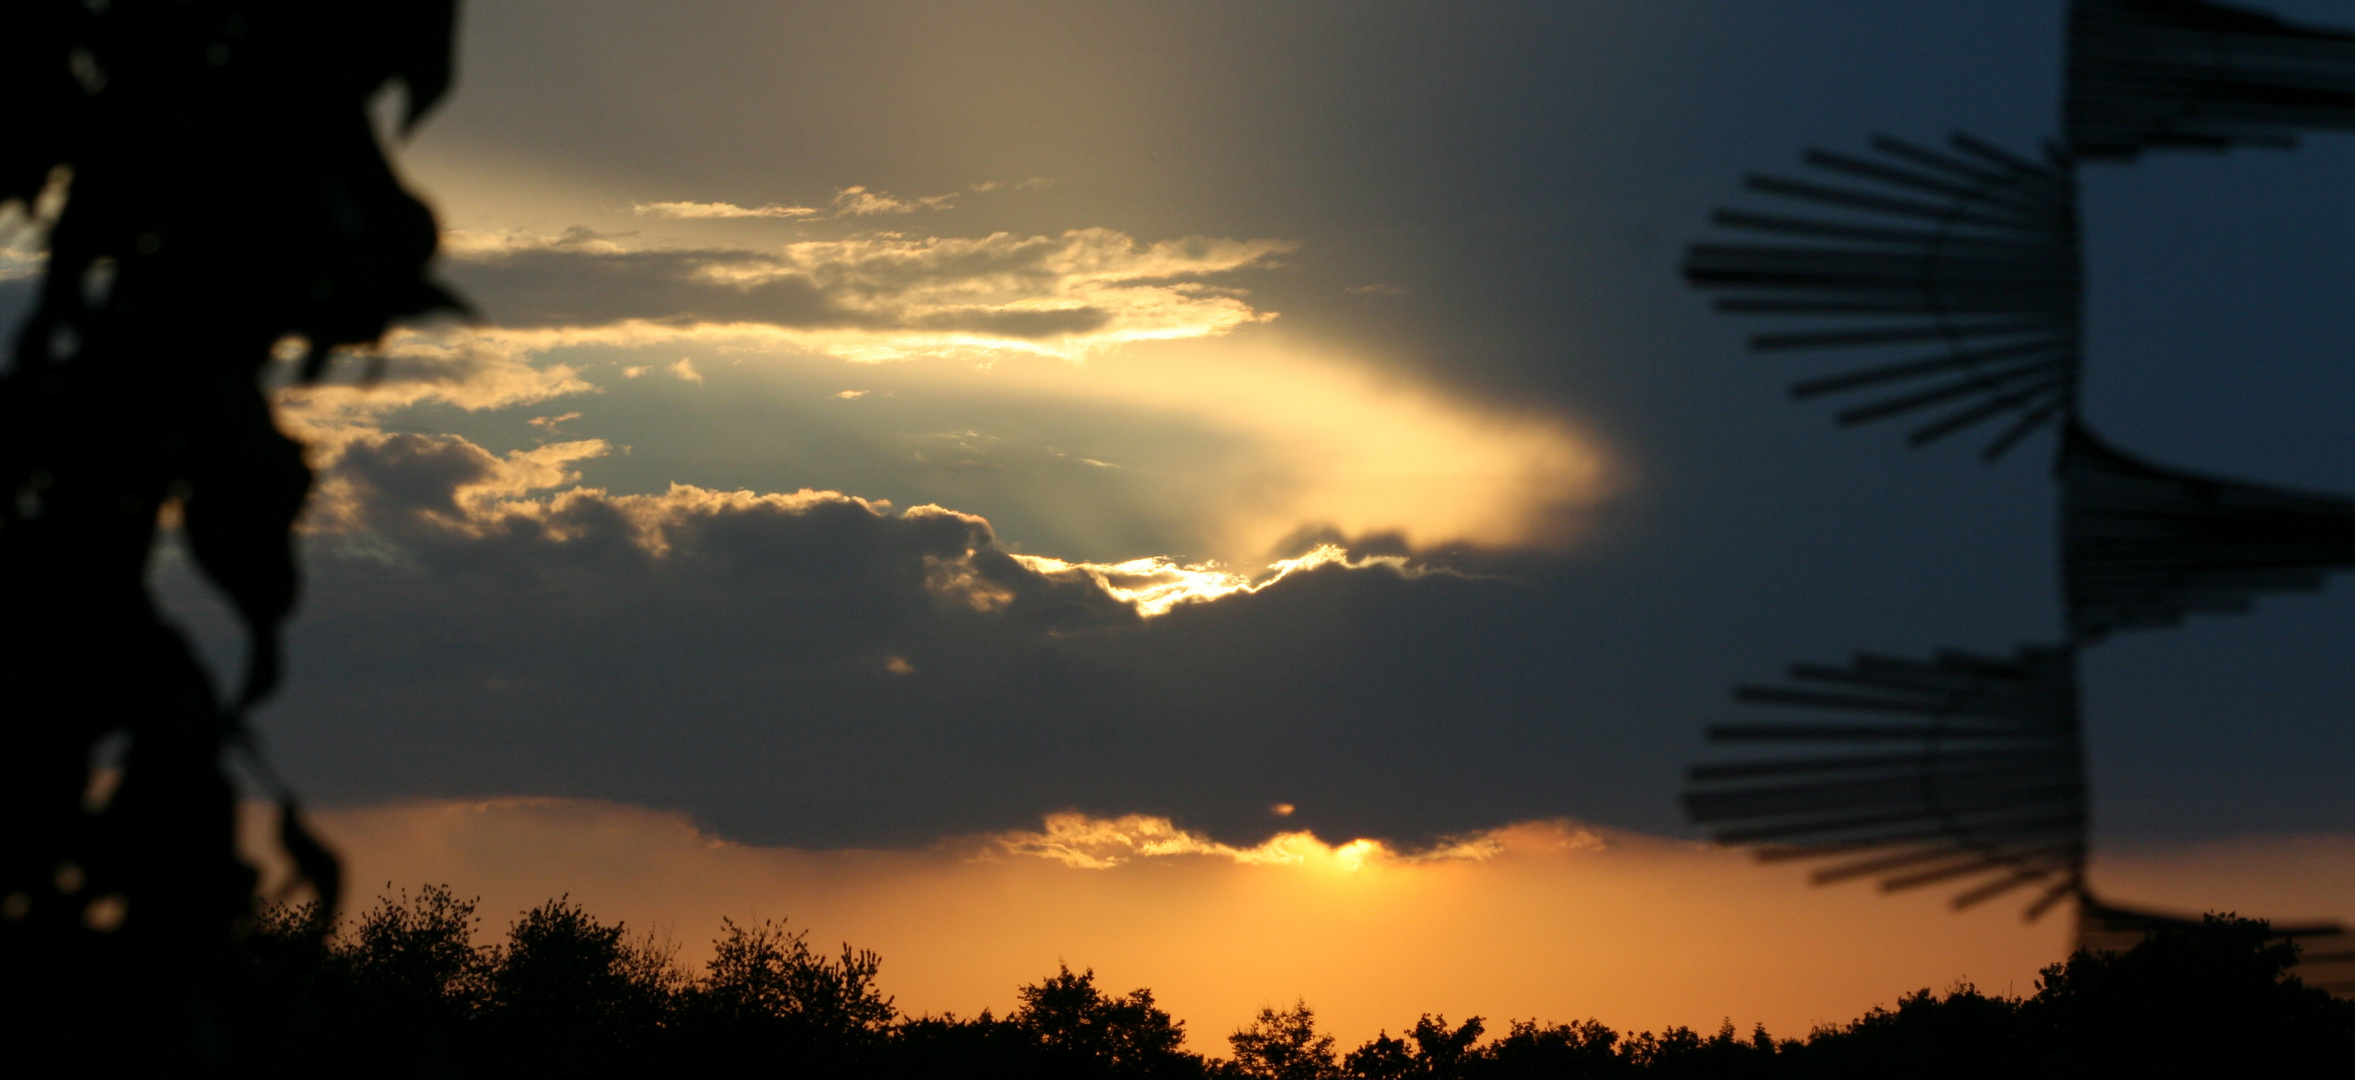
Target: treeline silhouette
x=404, y=991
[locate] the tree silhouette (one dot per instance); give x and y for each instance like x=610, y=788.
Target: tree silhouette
x=1582, y=1051
x=570, y=996
x=1443, y=1051
x=766, y=995
x=1381, y=1058
x=415, y=971
x=219, y=192
x=1430, y=1051
x=1964, y=1034
x=1682, y=1052
x=1082, y=1031
x=982, y=1048
x=2216, y=998
x=1283, y=1046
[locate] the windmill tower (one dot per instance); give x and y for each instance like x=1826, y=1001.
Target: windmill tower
x=1962, y=769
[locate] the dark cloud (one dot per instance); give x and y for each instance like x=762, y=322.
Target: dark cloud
x=403, y=482
x=862, y=564
x=818, y=671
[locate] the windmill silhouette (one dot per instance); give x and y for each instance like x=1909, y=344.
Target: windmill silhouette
x=1970, y=770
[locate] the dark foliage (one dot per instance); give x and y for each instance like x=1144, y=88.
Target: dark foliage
x=1282, y=1045
x=982, y=1048
x=766, y=996
x=218, y=192
x=1569, y=1051
x=1963, y=1034
x=404, y=992
x=2210, y=1000
x=415, y=973
x=569, y=996
x=1080, y=1031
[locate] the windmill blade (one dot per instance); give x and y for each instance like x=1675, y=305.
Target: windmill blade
x=2192, y=75
x=2144, y=545
x=2326, y=951
x=1967, y=772
x=1964, y=260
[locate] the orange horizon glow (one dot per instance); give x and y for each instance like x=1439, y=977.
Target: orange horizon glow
x=1548, y=920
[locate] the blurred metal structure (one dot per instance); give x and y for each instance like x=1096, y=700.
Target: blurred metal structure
x=1970, y=771
x=1970, y=251
x=2144, y=545
x=1971, y=768
x=2190, y=75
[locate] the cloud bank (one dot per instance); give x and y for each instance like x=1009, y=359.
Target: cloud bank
x=818, y=668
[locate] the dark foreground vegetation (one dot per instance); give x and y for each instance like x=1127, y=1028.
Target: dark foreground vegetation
x=405, y=992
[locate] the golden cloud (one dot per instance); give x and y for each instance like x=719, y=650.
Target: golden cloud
x=870, y=298
x=1079, y=841
x=693, y=210
x=854, y=201
x=447, y=366
x=1155, y=585
x=1335, y=443
x=860, y=202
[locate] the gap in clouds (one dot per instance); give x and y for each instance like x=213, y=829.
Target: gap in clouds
x=1220, y=450
x=1204, y=443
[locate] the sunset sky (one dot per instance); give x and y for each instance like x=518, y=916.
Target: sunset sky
x=1237, y=495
